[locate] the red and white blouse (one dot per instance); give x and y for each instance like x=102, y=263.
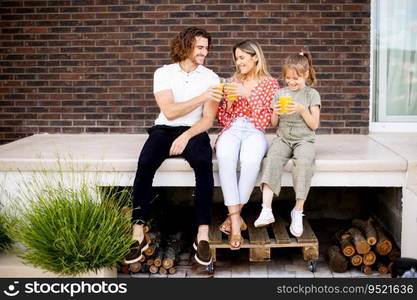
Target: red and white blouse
x=256, y=107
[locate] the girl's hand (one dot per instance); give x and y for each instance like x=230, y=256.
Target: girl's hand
x=277, y=109
x=294, y=107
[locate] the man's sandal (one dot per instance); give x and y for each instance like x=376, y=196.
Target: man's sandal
x=227, y=224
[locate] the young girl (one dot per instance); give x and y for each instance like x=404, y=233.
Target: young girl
x=295, y=139
x=244, y=118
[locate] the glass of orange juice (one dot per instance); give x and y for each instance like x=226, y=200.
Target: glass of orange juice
x=219, y=91
x=284, y=98
x=230, y=92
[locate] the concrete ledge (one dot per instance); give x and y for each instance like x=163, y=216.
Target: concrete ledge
x=109, y=152
x=12, y=267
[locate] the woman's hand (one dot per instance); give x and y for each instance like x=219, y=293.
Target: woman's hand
x=237, y=89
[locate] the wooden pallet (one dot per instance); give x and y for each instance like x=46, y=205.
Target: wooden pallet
x=260, y=241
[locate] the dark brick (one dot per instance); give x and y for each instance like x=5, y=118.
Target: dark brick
x=90, y=63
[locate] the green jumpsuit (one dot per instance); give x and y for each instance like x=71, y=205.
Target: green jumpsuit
x=294, y=140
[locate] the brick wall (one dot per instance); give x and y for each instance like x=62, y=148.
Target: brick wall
x=85, y=66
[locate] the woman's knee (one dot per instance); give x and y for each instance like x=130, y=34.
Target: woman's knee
x=251, y=164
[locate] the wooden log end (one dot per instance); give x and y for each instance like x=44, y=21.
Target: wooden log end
x=356, y=260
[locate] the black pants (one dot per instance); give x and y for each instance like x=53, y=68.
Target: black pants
x=198, y=153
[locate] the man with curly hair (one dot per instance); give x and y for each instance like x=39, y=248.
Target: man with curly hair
x=185, y=94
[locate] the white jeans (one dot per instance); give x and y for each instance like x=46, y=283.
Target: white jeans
x=243, y=142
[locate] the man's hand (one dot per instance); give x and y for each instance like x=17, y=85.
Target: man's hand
x=179, y=144
x=211, y=94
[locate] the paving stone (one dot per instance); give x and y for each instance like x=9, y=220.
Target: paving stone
x=222, y=272
x=258, y=270
x=241, y=270
x=140, y=275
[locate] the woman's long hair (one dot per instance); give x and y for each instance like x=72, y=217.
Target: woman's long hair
x=182, y=45
x=252, y=48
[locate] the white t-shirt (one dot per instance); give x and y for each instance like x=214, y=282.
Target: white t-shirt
x=184, y=87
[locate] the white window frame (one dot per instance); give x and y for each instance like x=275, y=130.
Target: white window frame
x=384, y=126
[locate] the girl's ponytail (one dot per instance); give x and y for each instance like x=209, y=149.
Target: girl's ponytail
x=312, y=72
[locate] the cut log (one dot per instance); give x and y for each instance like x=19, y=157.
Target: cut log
x=369, y=258
x=153, y=269
x=346, y=236
x=368, y=229
x=382, y=268
x=142, y=259
x=172, y=270
x=151, y=249
x=394, y=254
x=390, y=265
x=337, y=261
x=172, y=250
x=150, y=262
x=384, y=245
x=361, y=245
x=154, y=238
x=366, y=270
x=356, y=260
x=135, y=267
x=345, y=243
x=163, y=271
x=146, y=228
x=159, y=256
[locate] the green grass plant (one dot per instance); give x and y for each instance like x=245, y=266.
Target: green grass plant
x=5, y=240
x=71, y=230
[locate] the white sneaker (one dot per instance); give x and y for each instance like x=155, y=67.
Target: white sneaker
x=265, y=218
x=296, y=227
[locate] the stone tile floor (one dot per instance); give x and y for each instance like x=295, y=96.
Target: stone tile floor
x=284, y=263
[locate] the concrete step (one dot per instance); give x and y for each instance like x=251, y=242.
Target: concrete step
x=12, y=266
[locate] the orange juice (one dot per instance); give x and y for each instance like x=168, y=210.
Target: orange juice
x=231, y=92
x=284, y=102
x=219, y=91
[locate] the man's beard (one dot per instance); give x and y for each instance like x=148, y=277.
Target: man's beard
x=195, y=61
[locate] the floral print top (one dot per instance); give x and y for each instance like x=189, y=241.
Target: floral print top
x=256, y=107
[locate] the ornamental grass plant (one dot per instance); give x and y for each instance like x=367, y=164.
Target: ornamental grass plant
x=5, y=240
x=71, y=230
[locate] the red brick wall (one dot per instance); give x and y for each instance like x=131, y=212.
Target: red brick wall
x=85, y=66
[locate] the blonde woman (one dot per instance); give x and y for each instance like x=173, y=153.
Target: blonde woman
x=244, y=119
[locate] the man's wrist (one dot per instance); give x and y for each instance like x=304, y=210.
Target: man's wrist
x=186, y=134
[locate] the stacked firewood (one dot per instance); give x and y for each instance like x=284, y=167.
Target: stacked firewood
x=161, y=257
x=365, y=246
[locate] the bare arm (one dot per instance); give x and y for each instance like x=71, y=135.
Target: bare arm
x=274, y=120
x=173, y=110
x=205, y=123
x=311, y=116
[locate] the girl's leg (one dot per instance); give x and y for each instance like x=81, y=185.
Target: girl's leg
x=266, y=217
x=304, y=154
x=272, y=169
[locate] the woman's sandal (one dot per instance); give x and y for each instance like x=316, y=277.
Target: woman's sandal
x=233, y=238
x=227, y=224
